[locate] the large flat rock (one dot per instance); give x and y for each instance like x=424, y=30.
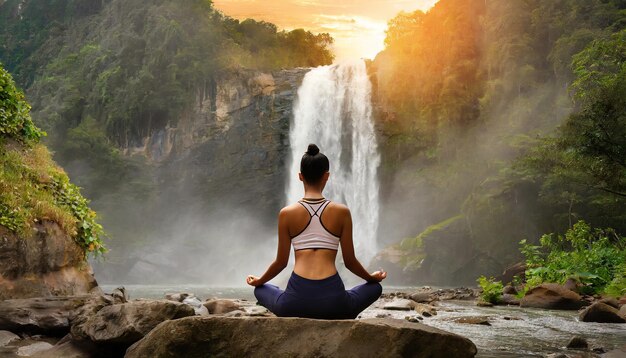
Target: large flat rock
x=126, y=323
x=48, y=315
x=298, y=337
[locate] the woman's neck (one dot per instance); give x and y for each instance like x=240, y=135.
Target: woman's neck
x=312, y=193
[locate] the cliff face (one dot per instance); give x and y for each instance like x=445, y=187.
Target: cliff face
x=217, y=181
x=49, y=263
x=236, y=138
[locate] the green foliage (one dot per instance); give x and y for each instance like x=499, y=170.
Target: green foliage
x=89, y=233
x=617, y=287
x=15, y=121
x=593, y=257
x=32, y=187
x=492, y=289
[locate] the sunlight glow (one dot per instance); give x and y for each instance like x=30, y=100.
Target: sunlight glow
x=358, y=26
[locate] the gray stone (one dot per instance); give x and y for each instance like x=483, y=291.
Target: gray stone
x=425, y=310
x=7, y=337
x=178, y=297
x=126, y=323
x=255, y=311
x=298, y=337
x=421, y=297
x=198, y=308
x=72, y=349
x=400, y=305
x=237, y=313
x=31, y=349
x=221, y=306
x=39, y=315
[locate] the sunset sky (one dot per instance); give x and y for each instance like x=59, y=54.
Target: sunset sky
x=358, y=26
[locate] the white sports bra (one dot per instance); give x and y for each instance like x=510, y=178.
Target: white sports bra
x=315, y=235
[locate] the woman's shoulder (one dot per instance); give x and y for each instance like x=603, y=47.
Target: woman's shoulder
x=338, y=208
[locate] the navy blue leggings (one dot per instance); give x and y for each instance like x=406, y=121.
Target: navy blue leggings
x=323, y=299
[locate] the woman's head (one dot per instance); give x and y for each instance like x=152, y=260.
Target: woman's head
x=313, y=165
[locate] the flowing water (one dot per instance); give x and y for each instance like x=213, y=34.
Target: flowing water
x=333, y=109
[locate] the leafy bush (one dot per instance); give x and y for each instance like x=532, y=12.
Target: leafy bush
x=15, y=121
x=594, y=257
x=492, y=289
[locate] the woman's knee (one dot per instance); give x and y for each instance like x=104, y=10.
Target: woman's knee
x=375, y=288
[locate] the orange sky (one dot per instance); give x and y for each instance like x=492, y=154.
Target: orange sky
x=358, y=26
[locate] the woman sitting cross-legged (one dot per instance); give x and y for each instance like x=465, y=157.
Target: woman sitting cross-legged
x=316, y=227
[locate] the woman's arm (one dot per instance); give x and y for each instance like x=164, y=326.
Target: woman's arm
x=347, y=250
x=282, y=254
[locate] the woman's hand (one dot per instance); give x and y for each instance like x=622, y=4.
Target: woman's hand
x=253, y=281
x=379, y=275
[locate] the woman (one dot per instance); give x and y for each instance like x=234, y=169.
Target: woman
x=316, y=227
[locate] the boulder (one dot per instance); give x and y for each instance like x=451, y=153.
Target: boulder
x=611, y=302
x=400, y=305
x=508, y=289
x=425, y=310
x=47, y=263
x=616, y=353
x=127, y=323
x=552, y=296
x=421, y=297
x=197, y=306
x=577, y=342
x=258, y=311
x=221, y=306
x=298, y=337
x=70, y=348
x=602, y=313
x=7, y=337
x=31, y=349
x=178, y=297
x=509, y=299
x=49, y=315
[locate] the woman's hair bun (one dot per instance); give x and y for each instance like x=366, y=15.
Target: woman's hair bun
x=312, y=149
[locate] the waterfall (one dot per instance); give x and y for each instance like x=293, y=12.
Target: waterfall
x=333, y=110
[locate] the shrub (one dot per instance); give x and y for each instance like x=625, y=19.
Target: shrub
x=492, y=289
x=594, y=257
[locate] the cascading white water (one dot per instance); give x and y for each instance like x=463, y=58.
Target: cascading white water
x=333, y=110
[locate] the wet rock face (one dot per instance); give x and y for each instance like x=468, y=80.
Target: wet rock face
x=49, y=263
x=298, y=337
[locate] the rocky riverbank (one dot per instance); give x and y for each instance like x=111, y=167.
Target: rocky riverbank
x=107, y=325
